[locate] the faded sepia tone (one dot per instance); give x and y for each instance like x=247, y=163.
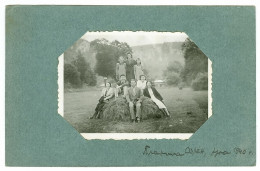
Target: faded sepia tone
x=174, y=65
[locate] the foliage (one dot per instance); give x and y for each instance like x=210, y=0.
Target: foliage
x=173, y=78
x=172, y=73
x=195, y=61
x=79, y=72
x=200, y=82
x=86, y=74
x=71, y=75
x=107, y=55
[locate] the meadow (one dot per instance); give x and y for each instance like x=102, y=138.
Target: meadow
x=188, y=109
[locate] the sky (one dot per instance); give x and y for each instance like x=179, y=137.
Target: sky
x=137, y=38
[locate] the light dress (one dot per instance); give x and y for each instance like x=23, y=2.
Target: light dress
x=155, y=100
x=141, y=84
x=138, y=71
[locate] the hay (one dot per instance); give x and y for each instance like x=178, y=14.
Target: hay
x=118, y=109
x=150, y=109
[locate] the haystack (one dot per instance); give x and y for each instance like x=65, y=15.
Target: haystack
x=150, y=109
x=118, y=109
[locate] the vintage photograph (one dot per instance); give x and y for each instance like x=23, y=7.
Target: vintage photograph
x=135, y=82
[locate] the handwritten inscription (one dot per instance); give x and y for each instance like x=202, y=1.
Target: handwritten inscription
x=217, y=152
x=196, y=151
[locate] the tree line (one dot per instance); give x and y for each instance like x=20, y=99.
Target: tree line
x=79, y=72
x=194, y=73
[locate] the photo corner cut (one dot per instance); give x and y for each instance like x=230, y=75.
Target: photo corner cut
x=135, y=85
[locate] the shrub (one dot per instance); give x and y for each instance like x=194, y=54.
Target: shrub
x=71, y=75
x=173, y=78
x=200, y=82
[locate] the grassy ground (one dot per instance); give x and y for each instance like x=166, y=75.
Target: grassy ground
x=189, y=110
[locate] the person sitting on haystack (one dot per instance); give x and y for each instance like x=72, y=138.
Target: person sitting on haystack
x=142, y=82
x=152, y=93
x=122, y=86
x=133, y=98
x=107, y=94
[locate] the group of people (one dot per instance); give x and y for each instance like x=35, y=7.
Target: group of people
x=132, y=85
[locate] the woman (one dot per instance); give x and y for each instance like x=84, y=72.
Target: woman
x=152, y=93
x=138, y=69
x=120, y=68
x=130, y=62
x=142, y=82
x=107, y=94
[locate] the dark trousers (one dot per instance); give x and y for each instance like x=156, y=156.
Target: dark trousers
x=98, y=109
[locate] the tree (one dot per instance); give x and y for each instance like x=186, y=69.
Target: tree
x=71, y=75
x=107, y=55
x=106, y=64
x=172, y=73
x=173, y=78
x=195, y=61
x=86, y=74
x=90, y=78
x=200, y=82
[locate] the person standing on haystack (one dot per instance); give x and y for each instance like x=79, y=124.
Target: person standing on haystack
x=138, y=69
x=120, y=67
x=133, y=98
x=130, y=62
x=153, y=94
x=106, y=95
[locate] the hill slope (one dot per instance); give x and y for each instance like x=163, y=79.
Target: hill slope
x=155, y=58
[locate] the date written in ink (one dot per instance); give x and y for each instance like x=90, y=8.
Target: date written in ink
x=148, y=151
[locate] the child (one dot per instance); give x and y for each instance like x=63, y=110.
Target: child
x=120, y=68
x=138, y=69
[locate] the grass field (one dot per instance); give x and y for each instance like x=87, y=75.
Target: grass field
x=188, y=108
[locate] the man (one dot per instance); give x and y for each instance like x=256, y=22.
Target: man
x=122, y=86
x=133, y=98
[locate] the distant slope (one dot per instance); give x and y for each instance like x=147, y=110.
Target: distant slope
x=80, y=47
x=155, y=58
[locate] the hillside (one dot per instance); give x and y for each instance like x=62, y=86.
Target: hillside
x=156, y=57
x=80, y=47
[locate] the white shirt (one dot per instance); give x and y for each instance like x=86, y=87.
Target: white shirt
x=141, y=84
